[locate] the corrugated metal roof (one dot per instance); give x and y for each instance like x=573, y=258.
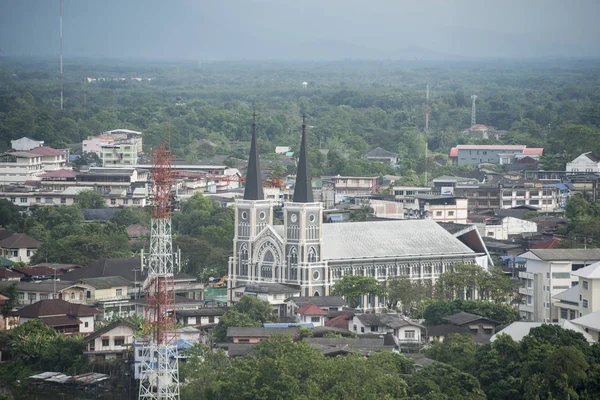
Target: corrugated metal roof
x=382, y=239
x=567, y=254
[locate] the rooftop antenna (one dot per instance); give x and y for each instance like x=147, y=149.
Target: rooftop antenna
x=61, y=57
x=473, y=110
x=426, y=126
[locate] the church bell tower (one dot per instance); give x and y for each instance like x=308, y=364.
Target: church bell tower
x=303, y=220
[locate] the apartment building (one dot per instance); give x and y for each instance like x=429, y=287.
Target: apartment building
x=488, y=196
x=403, y=192
x=468, y=154
x=52, y=159
x=94, y=144
x=354, y=185
x=549, y=273
x=122, y=153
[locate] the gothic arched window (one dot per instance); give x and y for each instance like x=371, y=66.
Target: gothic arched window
x=312, y=255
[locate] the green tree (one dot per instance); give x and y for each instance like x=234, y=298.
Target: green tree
x=443, y=382
x=9, y=213
x=353, y=287
x=90, y=199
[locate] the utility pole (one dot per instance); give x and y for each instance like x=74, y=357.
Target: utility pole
x=426, y=127
x=61, y=57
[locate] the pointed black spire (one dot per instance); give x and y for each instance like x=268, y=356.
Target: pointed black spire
x=303, y=190
x=253, y=189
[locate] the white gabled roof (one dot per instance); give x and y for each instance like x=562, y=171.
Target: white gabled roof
x=592, y=271
x=518, y=330
x=571, y=295
x=591, y=320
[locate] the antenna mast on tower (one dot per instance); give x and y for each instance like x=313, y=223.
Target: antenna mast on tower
x=426, y=126
x=473, y=110
x=61, y=59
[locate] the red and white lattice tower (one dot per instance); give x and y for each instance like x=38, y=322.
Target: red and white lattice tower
x=160, y=374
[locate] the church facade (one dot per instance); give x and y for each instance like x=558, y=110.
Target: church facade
x=309, y=255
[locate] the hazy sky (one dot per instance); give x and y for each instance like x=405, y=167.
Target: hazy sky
x=302, y=29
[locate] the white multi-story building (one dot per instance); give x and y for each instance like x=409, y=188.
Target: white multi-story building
x=121, y=153
x=548, y=273
x=20, y=166
x=546, y=199
x=52, y=159
x=586, y=162
x=504, y=228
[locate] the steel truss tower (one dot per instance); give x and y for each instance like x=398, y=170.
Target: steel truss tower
x=160, y=374
x=473, y=110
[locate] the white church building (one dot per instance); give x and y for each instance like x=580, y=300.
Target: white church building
x=310, y=255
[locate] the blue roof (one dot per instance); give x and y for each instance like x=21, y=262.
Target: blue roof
x=287, y=325
x=519, y=260
x=183, y=344
x=336, y=218
x=561, y=186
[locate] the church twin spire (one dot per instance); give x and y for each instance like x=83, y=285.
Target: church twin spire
x=303, y=188
x=253, y=189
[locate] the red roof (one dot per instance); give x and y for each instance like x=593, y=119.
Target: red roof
x=479, y=127
x=20, y=241
x=6, y=273
x=454, y=152
x=40, y=270
x=341, y=321
x=534, y=150
x=55, y=307
x=60, y=173
x=550, y=244
x=310, y=309
x=47, y=151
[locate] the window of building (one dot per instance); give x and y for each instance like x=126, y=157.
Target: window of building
x=43, y=296
x=119, y=292
x=354, y=328
x=49, y=200
x=529, y=283
x=211, y=319
x=563, y=313
x=315, y=319
x=113, y=201
x=88, y=294
x=31, y=296
x=534, y=202
x=585, y=304
x=23, y=199
x=21, y=296
x=125, y=201
x=572, y=314
x=136, y=201
x=409, y=334
x=63, y=200
x=105, y=342
x=119, y=340
x=373, y=328
x=520, y=202
x=15, y=253
x=584, y=284
x=507, y=203
x=28, y=253
x=438, y=213
x=86, y=324
x=362, y=329
x=38, y=200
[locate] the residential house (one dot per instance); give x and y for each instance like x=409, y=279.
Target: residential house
x=439, y=208
x=381, y=155
x=19, y=247
x=405, y=330
x=110, y=294
x=403, y=192
x=474, y=323
x=448, y=185
x=503, y=228
x=130, y=268
x=326, y=303
x=37, y=273
x=204, y=317
x=31, y=292
x=312, y=314
x=25, y=144
x=110, y=342
x=347, y=186
x=7, y=274
x=65, y=317
x=584, y=163
x=548, y=273
x=275, y=293
x=518, y=330
x=256, y=335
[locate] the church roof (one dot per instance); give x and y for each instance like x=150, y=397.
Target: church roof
x=303, y=187
x=253, y=189
x=379, y=239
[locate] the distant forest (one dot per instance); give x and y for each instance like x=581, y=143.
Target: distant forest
x=352, y=106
